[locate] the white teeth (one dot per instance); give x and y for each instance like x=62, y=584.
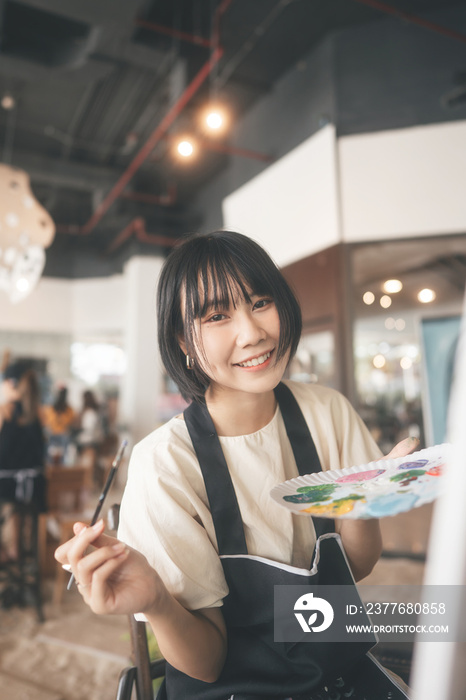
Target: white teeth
x=256, y=361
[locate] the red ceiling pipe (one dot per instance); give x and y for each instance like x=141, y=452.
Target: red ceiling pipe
x=388, y=9
x=152, y=141
x=169, y=31
x=72, y=229
x=138, y=228
x=125, y=234
x=161, y=129
x=219, y=147
x=163, y=200
x=155, y=238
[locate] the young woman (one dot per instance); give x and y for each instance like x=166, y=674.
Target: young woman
x=202, y=544
x=90, y=433
x=22, y=445
x=58, y=419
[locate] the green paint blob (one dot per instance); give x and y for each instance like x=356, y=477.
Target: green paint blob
x=402, y=476
x=312, y=494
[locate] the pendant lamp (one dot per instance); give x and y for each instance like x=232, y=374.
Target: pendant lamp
x=26, y=229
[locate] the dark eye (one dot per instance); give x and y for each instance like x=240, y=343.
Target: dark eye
x=216, y=317
x=261, y=303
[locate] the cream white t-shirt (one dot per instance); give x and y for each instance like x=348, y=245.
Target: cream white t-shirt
x=165, y=512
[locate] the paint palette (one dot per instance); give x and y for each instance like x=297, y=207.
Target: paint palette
x=375, y=490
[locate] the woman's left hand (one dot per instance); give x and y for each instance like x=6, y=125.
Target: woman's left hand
x=403, y=448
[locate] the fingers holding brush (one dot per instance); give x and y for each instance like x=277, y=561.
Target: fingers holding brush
x=94, y=576
x=102, y=576
x=70, y=553
x=77, y=545
x=115, y=578
x=76, y=555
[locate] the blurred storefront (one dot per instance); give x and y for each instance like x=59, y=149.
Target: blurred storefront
x=381, y=322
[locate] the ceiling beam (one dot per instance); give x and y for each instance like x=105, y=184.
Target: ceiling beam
x=66, y=174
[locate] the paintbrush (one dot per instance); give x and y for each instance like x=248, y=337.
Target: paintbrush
x=105, y=490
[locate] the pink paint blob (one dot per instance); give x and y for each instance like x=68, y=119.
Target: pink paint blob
x=360, y=476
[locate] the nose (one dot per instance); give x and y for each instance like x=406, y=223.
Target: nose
x=250, y=331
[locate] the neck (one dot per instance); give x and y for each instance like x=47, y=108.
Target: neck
x=240, y=413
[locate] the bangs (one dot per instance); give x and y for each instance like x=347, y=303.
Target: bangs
x=220, y=282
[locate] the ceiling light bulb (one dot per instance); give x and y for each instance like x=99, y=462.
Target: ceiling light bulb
x=214, y=120
x=390, y=323
x=385, y=301
x=379, y=361
x=406, y=363
x=425, y=296
x=185, y=149
x=368, y=298
x=392, y=286
x=8, y=102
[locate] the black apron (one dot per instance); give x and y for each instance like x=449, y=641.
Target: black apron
x=256, y=667
x=22, y=462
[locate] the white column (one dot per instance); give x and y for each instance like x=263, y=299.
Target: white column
x=142, y=383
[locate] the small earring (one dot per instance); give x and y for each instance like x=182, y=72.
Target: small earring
x=189, y=362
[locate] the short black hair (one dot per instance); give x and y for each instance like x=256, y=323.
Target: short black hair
x=15, y=371
x=216, y=268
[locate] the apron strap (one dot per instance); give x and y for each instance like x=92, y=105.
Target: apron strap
x=223, y=503
x=303, y=446
x=299, y=435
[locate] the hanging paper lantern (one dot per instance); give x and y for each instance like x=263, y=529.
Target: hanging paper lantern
x=26, y=228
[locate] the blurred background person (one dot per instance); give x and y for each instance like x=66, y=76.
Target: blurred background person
x=60, y=422
x=22, y=447
x=90, y=435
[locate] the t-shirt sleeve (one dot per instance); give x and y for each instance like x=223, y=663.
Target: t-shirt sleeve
x=164, y=515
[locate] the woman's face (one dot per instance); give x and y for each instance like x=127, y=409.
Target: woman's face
x=237, y=346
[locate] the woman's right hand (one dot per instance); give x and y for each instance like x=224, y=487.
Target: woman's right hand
x=112, y=578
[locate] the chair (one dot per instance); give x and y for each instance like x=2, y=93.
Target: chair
x=144, y=671
x=67, y=493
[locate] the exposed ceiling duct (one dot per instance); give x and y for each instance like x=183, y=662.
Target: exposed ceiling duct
x=101, y=87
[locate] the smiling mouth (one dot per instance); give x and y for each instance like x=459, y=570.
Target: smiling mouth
x=256, y=360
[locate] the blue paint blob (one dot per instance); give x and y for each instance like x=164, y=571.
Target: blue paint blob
x=389, y=504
